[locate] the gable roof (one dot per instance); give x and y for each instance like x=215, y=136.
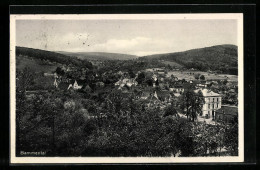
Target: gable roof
x=163, y=93
x=207, y=93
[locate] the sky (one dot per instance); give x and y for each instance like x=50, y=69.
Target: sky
x=136, y=37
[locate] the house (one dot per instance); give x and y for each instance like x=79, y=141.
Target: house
x=145, y=94
x=177, y=88
x=176, y=94
x=118, y=83
x=100, y=84
x=76, y=86
x=87, y=88
x=161, y=73
x=153, y=99
x=48, y=74
x=131, y=82
x=55, y=83
x=126, y=82
x=212, y=102
x=201, y=85
x=174, y=78
x=164, y=95
x=158, y=69
x=154, y=77
x=227, y=114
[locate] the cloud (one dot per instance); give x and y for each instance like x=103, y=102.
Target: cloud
x=123, y=44
x=137, y=46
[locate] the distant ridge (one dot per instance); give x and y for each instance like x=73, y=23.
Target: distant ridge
x=222, y=58
x=219, y=58
x=99, y=55
x=50, y=56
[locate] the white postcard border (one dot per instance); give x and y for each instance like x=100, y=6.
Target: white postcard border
x=71, y=160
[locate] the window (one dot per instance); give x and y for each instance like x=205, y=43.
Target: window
x=217, y=99
x=213, y=100
x=217, y=105
x=209, y=106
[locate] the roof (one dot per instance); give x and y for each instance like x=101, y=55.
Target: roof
x=232, y=110
x=178, y=86
x=207, y=93
x=177, y=94
x=163, y=93
x=196, y=81
x=146, y=93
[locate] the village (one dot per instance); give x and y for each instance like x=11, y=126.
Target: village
x=159, y=88
x=126, y=87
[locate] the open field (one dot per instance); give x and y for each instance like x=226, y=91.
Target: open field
x=172, y=63
x=189, y=75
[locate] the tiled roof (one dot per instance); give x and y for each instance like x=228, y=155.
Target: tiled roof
x=163, y=93
x=207, y=93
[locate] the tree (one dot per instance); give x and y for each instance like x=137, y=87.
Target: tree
x=140, y=78
x=157, y=82
x=131, y=73
x=24, y=79
x=60, y=71
x=225, y=82
x=192, y=103
x=231, y=139
x=149, y=82
x=202, y=77
x=170, y=111
x=196, y=76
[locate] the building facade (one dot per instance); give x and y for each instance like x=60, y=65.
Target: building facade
x=212, y=103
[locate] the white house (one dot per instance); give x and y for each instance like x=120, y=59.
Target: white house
x=76, y=86
x=212, y=102
x=127, y=82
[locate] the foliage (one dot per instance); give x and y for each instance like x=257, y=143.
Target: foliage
x=108, y=122
x=231, y=139
x=202, y=77
x=197, y=76
x=140, y=78
x=192, y=103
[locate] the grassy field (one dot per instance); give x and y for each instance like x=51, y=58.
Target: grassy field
x=189, y=75
x=34, y=64
x=172, y=63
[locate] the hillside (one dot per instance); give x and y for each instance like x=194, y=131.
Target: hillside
x=50, y=57
x=99, y=55
x=34, y=64
x=222, y=58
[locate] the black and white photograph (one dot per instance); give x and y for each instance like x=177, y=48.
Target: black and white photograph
x=126, y=88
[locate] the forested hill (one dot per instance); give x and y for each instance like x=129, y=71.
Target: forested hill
x=52, y=57
x=221, y=58
x=99, y=55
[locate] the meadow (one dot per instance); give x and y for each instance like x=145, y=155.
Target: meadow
x=189, y=75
